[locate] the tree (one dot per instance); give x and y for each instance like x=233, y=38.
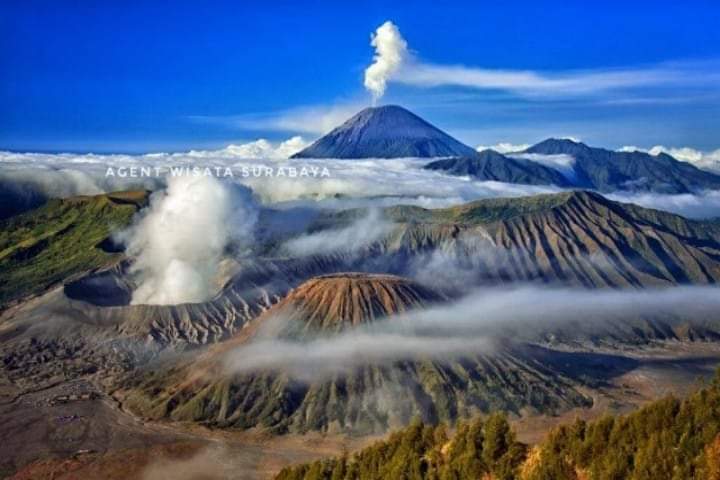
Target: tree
x=711, y=460
x=340, y=469
x=498, y=438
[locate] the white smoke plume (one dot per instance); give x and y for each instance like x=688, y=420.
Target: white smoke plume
x=390, y=52
x=178, y=244
x=393, y=62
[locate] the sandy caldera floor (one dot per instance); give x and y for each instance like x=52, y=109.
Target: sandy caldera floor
x=73, y=431
x=45, y=435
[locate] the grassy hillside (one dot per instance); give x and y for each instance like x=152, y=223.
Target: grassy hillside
x=45, y=246
x=668, y=439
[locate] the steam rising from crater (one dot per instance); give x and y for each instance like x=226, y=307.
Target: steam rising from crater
x=178, y=244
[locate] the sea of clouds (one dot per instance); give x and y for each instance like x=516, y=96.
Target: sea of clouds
x=179, y=240
x=346, y=183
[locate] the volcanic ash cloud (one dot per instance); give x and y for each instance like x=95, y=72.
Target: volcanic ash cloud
x=178, y=243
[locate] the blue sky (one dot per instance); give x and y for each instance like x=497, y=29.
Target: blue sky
x=171, y=76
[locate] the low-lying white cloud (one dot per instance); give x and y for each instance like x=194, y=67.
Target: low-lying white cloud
x=692, y=205
x=383, y=182
x=504, y=147
x=705, y=160
x=461, y=263
x=356, y=183
x=61, y=175
x=563, y=163
x=177, y=244
x=355, y=236
x=307, y=119
x=469, y=326
x=323, y=357
x=360, y=182
x=65, y=175
x=259, y=149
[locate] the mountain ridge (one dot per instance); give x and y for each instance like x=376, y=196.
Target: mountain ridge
x=607, y=170
x=391, y=131
x=491, y=165
x=575, y=238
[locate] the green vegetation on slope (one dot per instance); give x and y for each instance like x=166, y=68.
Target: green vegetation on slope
x=482, y=211
x=497, y=209
x=479, y=447
x=491, y=210
x=668, y=439
x=63, y=237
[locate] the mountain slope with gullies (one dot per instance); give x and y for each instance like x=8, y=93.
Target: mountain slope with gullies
x=491, y=165
x=336, y=302
x=370, y=396
x=569, y=163
x=571, y=238
x=607, y=170
x=574, y=238
x=389, y=131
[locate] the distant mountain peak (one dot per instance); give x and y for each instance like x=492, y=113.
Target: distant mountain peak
x=388, y=131
x=567, y=139
x=556, y=146
x=390, y=109
x=490, y=153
